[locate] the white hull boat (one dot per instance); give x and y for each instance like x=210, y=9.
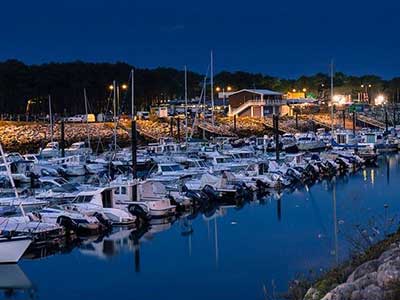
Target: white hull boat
x=12, y=249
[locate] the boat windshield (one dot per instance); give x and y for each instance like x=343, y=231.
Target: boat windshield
x=75, y=146
x=83, y=199
x=66, y=187
x=222, y=160
x=171, y=168
x=305, y=139
x=60, y=180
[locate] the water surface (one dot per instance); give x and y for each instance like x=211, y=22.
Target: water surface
x=231, y=254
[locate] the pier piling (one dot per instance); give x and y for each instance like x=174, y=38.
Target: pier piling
x=62, y=138
x=275, y=119
x=179, y=128
x=171, y=127
x=344, y=119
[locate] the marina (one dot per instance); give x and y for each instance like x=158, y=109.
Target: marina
x=251, y=249
x=222, y=150
x=252, y=215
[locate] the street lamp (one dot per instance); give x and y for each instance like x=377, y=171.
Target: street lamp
x=304, y=91
x=381, y=100
x=367, y=89
x=118, y=88
x=228, y=88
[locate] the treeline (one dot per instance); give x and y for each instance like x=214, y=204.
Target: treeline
x=65, y=83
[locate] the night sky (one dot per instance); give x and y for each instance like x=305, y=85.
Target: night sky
x=282, y=38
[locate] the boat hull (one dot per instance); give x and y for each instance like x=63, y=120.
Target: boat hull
x=11, y=250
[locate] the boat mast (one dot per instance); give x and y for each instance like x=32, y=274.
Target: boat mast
x=87, y=117
x=51, y=121
x=186, y=104
x=133, y=92
x=212, y=87
x=134, y=139
x=115, y=115
x=332, y=116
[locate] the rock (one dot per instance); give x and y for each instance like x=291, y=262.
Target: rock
x=356, y=295
x=341, y=292
x=312, y=294
x=389, y=254
x=372, y=292
x=365, y=268
x=366, y=280
x=389, y=272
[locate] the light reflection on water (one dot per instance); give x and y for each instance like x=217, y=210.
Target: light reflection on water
x=232, y=253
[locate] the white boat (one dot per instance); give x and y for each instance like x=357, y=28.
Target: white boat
x=101, y=200
x=13, y=247
x=151, y=197
x=309, y=142
x=78, y=148
x=28, y=224
x=71, y=165
x=51, y=150
x=71, y=219
x=221, y=163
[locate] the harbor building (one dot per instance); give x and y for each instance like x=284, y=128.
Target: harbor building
x=257, y=103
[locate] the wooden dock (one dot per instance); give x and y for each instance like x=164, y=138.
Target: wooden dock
x=371, y=121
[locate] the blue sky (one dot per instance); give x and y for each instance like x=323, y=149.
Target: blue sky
x=284, y=38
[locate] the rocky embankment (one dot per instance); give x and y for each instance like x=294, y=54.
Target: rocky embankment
x=375, y=279
x=29, y=137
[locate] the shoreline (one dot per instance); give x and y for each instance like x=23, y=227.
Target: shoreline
x=373, y=274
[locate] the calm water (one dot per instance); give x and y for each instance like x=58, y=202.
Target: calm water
x=232, y=254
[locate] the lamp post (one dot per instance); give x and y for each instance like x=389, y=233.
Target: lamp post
x=381, y=100
x=367, y=90
x=118, y=88
x=304, y=91
x=228, y=89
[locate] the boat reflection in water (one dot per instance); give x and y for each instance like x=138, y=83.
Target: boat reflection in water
x=14, y=283
x=125, y=240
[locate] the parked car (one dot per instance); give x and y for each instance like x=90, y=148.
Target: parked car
x=76, y=119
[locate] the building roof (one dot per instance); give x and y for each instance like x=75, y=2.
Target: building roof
x=256, y=91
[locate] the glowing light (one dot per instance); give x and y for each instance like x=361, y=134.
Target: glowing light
x=380, y=100
x=304, y=90
x=124, y=86
x=294, y=90
x=218, y=89
x=372, y=176
x=229, y=88
x=110, y=87
x=339, y=99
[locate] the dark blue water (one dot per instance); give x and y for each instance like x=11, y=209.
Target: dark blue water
x=234, y=254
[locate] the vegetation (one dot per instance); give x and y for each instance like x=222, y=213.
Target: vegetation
x=332, y=278
x=65, y=83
